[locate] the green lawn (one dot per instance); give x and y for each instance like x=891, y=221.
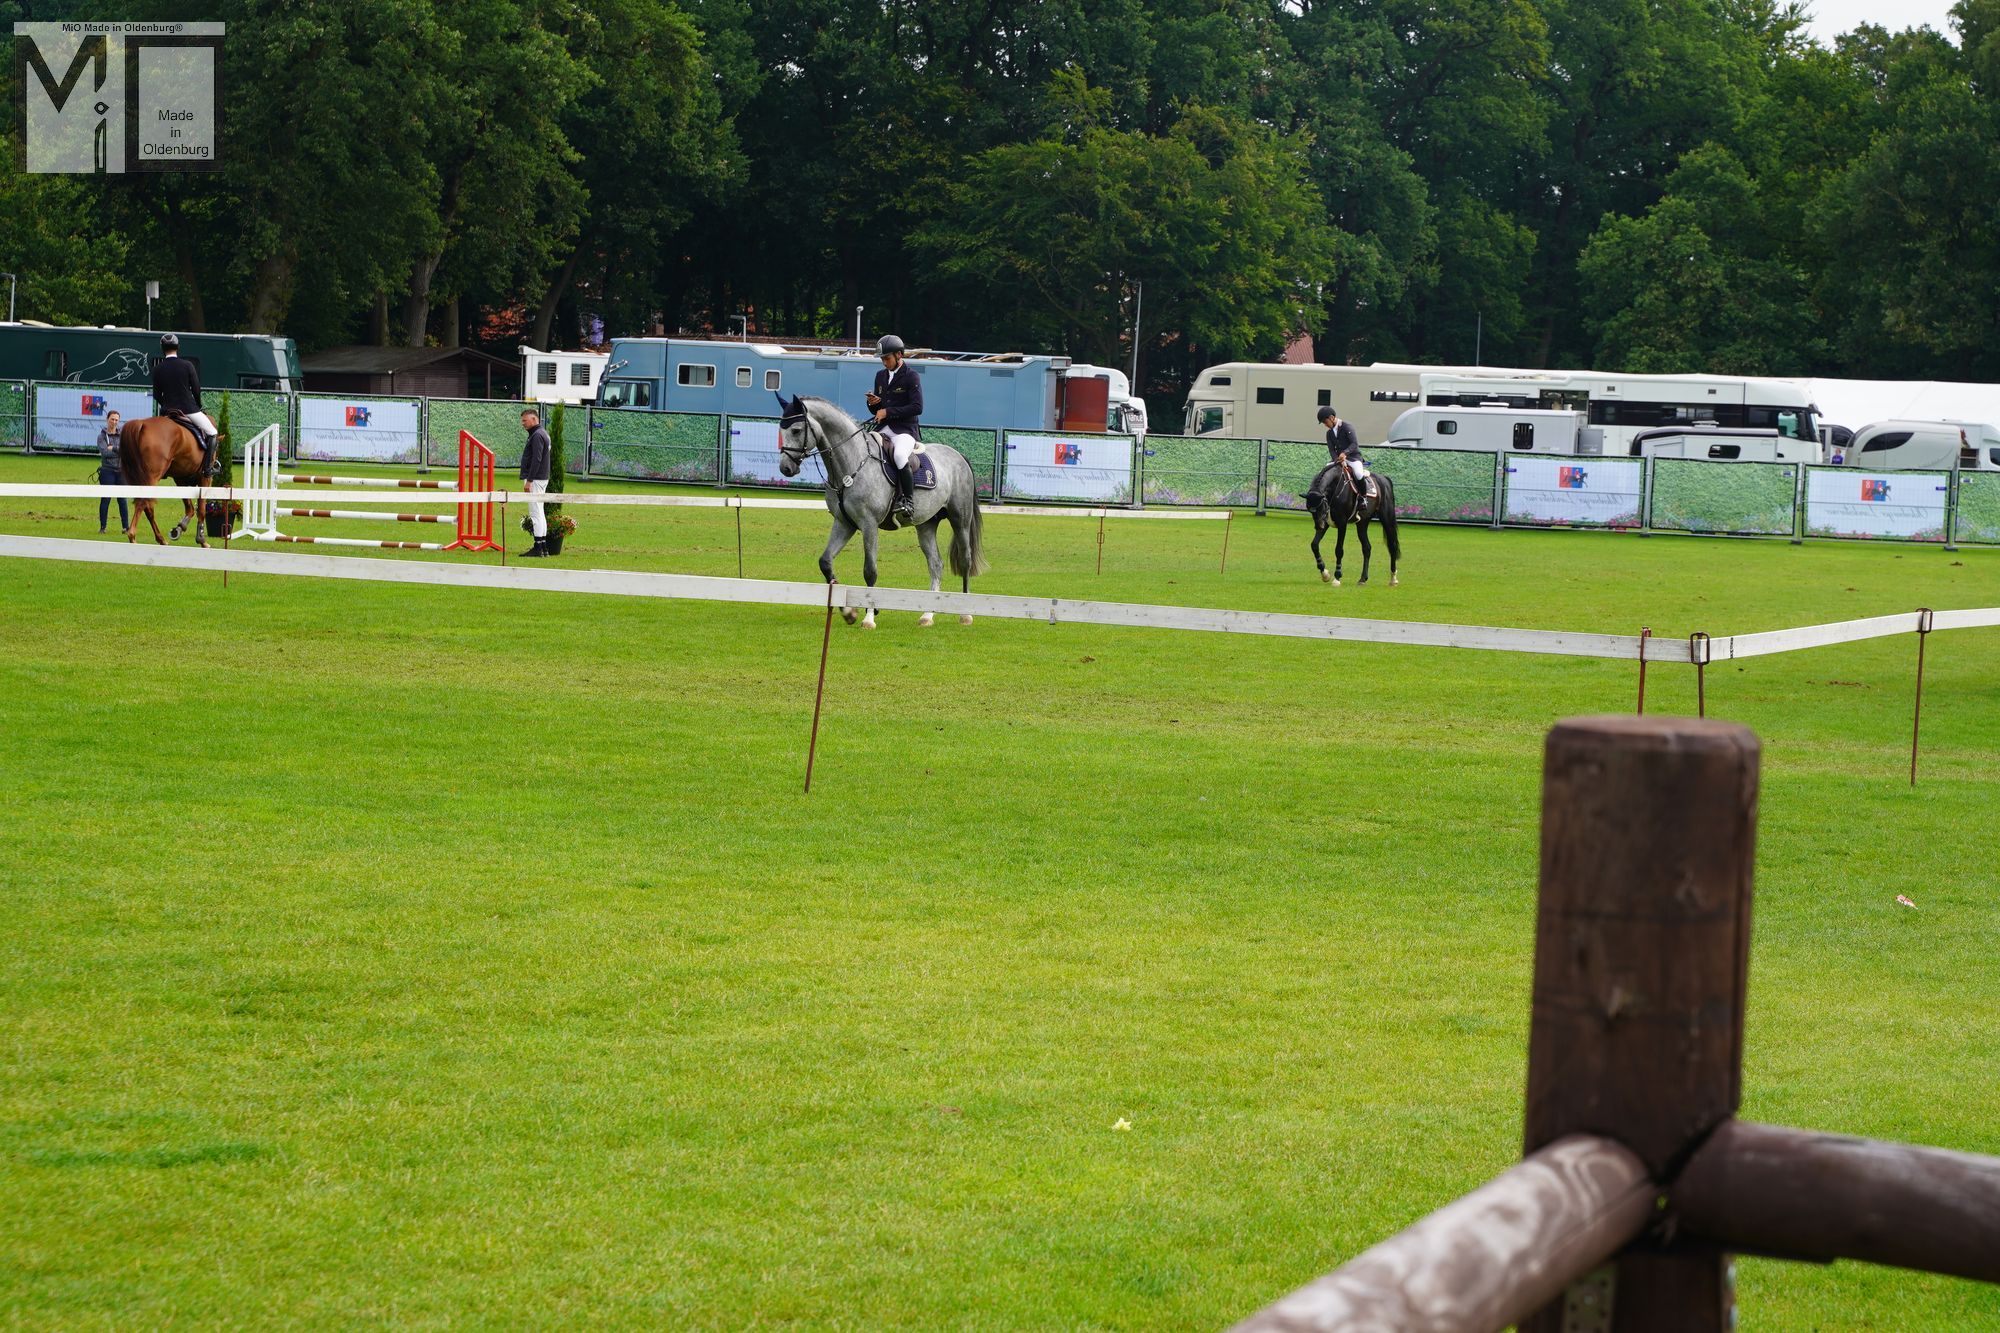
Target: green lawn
x=428, y=955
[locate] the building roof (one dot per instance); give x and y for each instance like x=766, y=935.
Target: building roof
x=365, y=360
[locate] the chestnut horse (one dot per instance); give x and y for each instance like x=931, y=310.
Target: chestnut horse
x=153, y=448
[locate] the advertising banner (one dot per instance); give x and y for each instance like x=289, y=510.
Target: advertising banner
x=753, y=457
x=1745, y=499
x=1574, y=492
x=1979, y=508
x=653, y=446
x=68, y=416
x=361, y=430
x=1094, y=469
x=1199, y=470
x=1900, y=506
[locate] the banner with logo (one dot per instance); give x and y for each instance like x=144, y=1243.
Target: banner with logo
x=1095, y=469
x=752, y=451
x=1574, y=492
x=1900, y=506
x=69, y=416
x=360, y=429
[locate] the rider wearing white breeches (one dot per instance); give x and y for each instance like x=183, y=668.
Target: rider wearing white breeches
x=897, y=403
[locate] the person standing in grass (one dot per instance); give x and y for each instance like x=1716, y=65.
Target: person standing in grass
x=535, y=478
x=110, y=473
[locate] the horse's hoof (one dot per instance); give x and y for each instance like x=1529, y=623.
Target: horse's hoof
x=1394, y=581
x=924, y=620
x=847, y=614
x=965, y=620
x=1325, y=577
x=868, y=621
x=1335, y=582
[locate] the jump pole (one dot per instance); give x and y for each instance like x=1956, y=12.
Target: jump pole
x=825, y=641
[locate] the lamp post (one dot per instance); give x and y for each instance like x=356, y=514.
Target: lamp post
x=152, y=295
x=1138, y=309
x=857, y=328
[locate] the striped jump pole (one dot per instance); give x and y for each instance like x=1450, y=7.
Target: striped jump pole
x=381, y=514
x=358, y=541
x=405, y=483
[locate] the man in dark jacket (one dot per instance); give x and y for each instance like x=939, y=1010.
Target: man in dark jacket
x=535, y=478
x=1344, y=448
x=898, y=402
x=177, y=390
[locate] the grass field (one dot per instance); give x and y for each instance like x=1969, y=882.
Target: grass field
x=425, y=955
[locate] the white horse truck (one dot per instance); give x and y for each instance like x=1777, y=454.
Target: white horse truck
x=1496, y=428
x=1924, y=446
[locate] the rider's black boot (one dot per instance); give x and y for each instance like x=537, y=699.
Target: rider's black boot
x=906, y=497
x=209, y=467
x=540, y=548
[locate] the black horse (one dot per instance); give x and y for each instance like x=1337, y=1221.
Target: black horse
x=1335, y=503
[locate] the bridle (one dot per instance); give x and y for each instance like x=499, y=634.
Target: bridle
x=820, y=447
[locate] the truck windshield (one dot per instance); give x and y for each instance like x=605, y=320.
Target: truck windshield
x=625, y=393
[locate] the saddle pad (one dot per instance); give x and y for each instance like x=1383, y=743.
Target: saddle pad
x=924, y=471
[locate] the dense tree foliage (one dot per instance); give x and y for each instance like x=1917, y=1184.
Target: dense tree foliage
x=1636, y=184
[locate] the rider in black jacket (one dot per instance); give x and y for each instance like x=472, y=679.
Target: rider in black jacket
x=1344, y=448
x=177, y=390
x=898, y=402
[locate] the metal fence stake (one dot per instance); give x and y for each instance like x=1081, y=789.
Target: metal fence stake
x=1645, y=633
x=825, y=641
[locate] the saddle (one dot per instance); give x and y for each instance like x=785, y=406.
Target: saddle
x=922, y=470
x=1320, y=492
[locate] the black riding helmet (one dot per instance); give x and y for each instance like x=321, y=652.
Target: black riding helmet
x=1326, y=412
x=169, y=341
x=888, y=343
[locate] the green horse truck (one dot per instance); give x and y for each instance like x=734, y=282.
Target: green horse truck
x=124, y=357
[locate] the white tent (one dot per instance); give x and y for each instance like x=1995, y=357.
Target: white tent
x=1856, y=403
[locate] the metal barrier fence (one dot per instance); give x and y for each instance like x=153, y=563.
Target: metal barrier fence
x=1474, y=487
x=13, y=415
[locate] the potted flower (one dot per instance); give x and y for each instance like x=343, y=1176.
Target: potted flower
x=560, y=526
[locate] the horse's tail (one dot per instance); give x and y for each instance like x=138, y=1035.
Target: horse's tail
x=968, y=555
x=1387, y=517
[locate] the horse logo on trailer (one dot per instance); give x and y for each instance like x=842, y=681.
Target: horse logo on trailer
x=1874, y=490
x=94, y=404
x=357, y=417
x=1570, y=478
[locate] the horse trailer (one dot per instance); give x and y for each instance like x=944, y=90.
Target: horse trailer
x=1497, y=429
x=111, y=354
x=560, y=377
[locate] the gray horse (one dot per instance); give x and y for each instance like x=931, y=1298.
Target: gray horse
x=862, y=499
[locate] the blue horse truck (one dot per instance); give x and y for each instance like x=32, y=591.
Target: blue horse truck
x=1006, y=391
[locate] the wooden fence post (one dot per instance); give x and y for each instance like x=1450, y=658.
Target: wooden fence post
x=1642, y=947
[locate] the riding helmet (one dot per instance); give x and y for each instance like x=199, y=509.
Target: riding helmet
x=1326, y=412
x=888, y=343
x=169, y=341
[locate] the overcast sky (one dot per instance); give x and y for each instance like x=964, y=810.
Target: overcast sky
x=1833, y=17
